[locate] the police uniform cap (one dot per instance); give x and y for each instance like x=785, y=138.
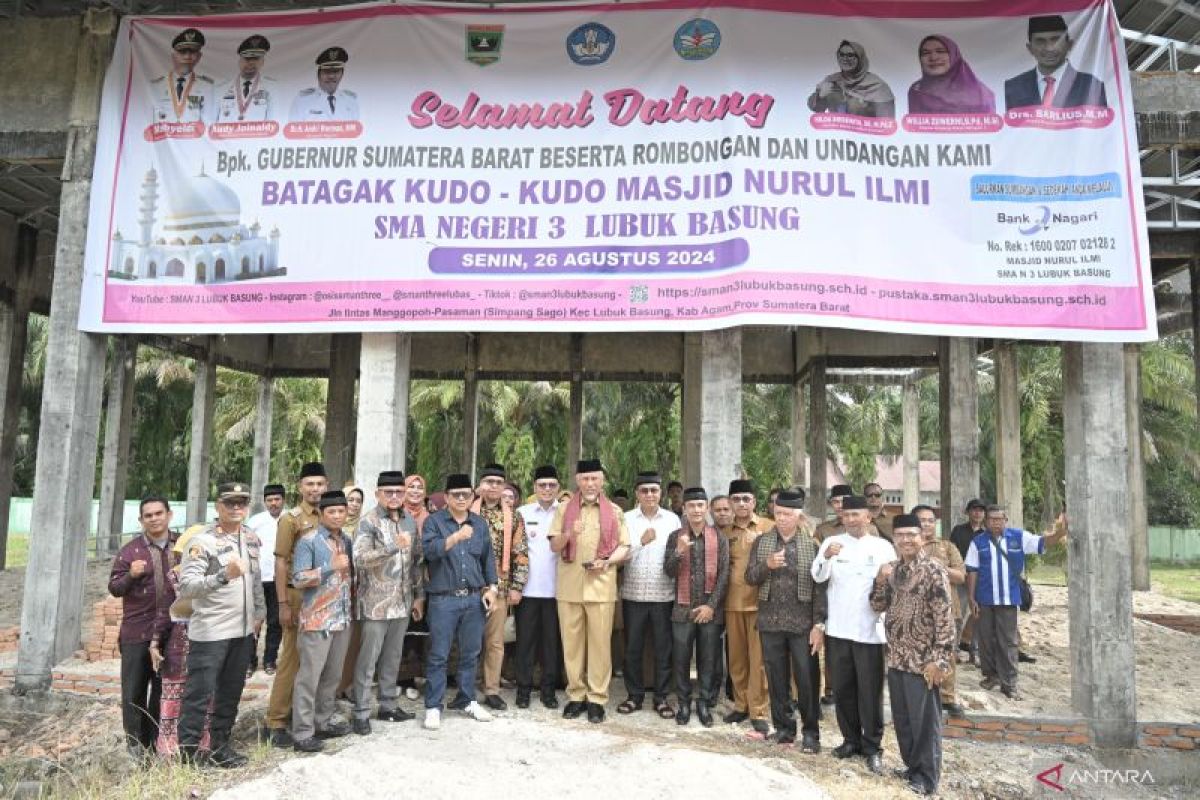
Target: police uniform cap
x=233, y=490
x=188, y=39
x=254, y=46
x=332, y=57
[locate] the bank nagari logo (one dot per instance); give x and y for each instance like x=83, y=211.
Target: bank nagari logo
x=697, y=39
x=483, y=43
x=1040, y=225
x=591, y=43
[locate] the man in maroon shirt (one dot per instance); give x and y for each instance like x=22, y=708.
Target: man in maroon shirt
x=139, y=578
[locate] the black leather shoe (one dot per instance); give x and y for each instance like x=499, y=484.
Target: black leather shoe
x=333, y=731
x=827, y=700
x=683, y=714
x=549, y=700
x=1025, y=658
x=875, y=763
x=522, y=699
x=844, y=750
x=495, y=702
x=595, y=713
x=782, y=738
x=810, y=744
x=361, y=727
x=760, y=726
x=953, y=709
x=734, y=717
x=396, y=714
x=918, y=788
x=226, y=757
x=704, y=715
x=310, y=745
x=281, y=738
x=193, y=757
x=574, y=709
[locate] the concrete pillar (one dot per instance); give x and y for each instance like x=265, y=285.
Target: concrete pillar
x=690, y=408
x=1194, y=275
x=470, y=409
x=14, y=334
x=910, y=443
x=338, y=449
x=959, y=411
x=1009, y=491
x=713, y=396
x=1100, y=603
x=260, y=465
x=1139, y=525
x=70, y=416
x=385, y=365
x=118, y=429
x=799, y=434
x=818, y=438
x=575, y=423
x=199, y=457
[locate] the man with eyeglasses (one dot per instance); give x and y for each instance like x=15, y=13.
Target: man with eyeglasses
x=389, y=572
x=511, y=552
x=221, y=576
x=461, y=589
x=537, y=613
x=749, y=677
x=589, y=534
x=945, y=553
x=879, y=517
x=646, y=596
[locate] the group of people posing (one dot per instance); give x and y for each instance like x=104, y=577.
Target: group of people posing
x=871, y=592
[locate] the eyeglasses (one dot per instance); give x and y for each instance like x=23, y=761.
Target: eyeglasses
x=546, y=485
x=851, y=54
x=742, y=498
x=465, y=494
x=392, y=492
x=235, y=503
x=874, y=494
x=648, y=490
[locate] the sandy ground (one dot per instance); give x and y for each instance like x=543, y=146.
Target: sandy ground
x=1165, y=691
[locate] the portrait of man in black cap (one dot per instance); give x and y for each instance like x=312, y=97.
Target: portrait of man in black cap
x=327, y=100
x=249, y=95
x=182, y=94
x=1053, y=82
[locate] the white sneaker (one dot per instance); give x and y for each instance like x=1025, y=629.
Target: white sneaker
x=433, y=719
x=477, y=712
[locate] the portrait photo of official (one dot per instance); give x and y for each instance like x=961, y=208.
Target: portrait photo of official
x=327, y=100
x=947, y=84
x=249, y=96
x=183, y=94
x=853, y=89
x=1053, y=82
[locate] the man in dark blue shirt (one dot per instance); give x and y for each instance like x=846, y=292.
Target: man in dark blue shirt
x=462, y=586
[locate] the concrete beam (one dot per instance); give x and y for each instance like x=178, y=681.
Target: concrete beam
x=910, y=443
x=204, y=390
x=575, y=421
x=691, y=408
x=1139, y=525
x=70, y=416
x=385, y=367
x=260, y=464
x=958, y=395
x=337, y=451
x=118, y=430
x=1009, y=490
x=799, y=434
x=818, y=439
x=1100, y=602
x=1165, y=106
x=14, y=334
x=470, y=408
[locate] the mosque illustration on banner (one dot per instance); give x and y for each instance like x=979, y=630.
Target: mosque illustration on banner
x=201, y=240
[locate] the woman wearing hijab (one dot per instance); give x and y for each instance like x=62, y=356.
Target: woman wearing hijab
x=414, y=499
x=947, y=84
x=853, y=89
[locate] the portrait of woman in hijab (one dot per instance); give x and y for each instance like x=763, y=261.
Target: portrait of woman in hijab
x=947, y=84
x=853, y=89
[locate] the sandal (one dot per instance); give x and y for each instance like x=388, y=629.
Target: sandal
x=664, y=710
x=628, y=707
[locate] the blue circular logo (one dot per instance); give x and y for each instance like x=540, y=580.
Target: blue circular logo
x=590, y=44
x=697, y=39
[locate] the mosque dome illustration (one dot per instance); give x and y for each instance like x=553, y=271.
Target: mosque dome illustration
x=197, y=237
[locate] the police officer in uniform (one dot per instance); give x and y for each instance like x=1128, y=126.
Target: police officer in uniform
x=182, y=95
x=326, y=101
x=248, y=97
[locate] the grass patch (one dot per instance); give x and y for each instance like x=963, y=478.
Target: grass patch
x=1180, y=581
x=18, y=550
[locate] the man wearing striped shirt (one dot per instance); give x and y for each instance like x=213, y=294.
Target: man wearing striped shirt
x=995, y=561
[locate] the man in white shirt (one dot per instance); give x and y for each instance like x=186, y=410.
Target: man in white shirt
x=264, y=524
x=537, y=614
x=848, y=562
x=647, y=596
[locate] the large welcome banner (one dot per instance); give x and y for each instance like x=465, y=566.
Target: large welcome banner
x=957, y=168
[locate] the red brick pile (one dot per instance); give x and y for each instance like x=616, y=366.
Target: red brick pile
x=100, y=637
